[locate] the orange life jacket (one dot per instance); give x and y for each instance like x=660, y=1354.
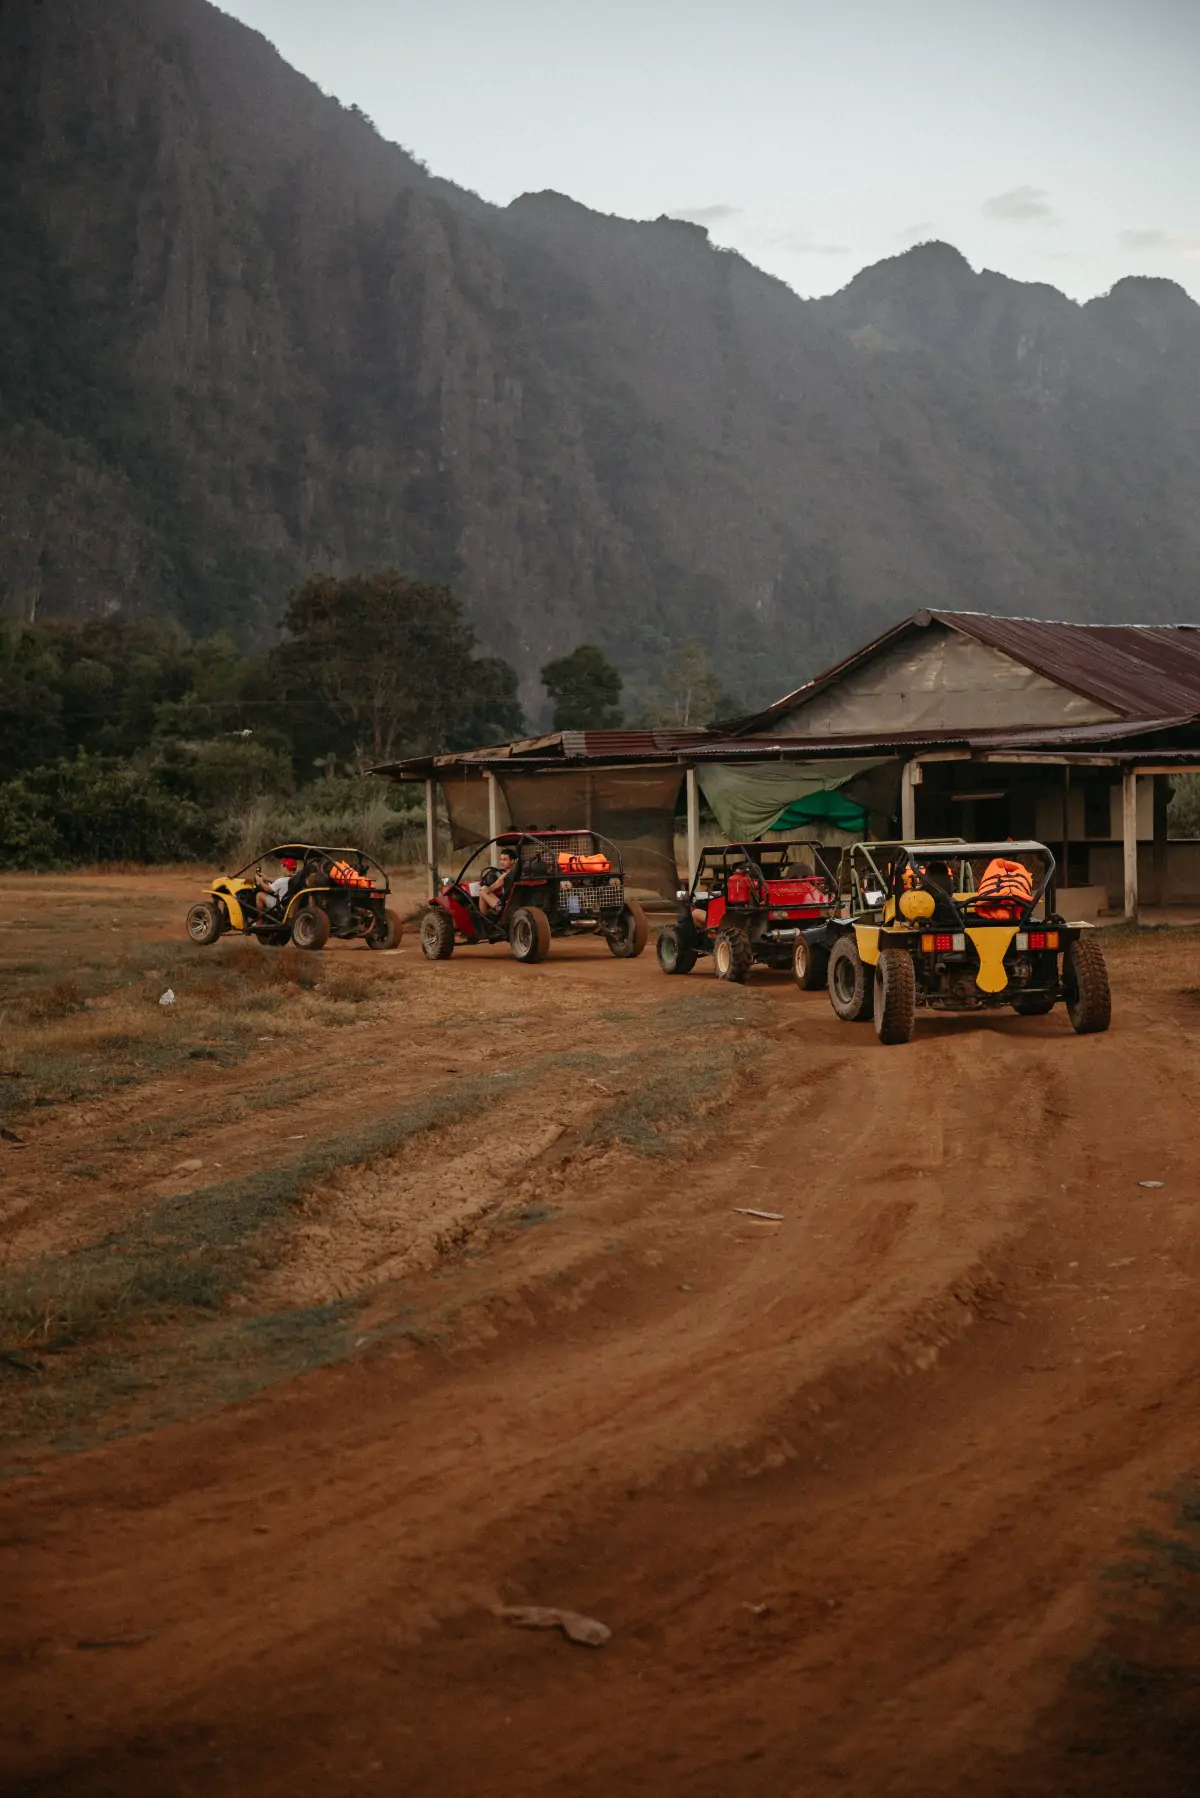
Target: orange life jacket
x=343, y=875
x=1006, y=888
x=583, y=864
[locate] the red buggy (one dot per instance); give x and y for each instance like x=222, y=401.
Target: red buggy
x=562, y=883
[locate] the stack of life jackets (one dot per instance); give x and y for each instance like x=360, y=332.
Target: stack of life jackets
x=1005, y=890
x=583, y=864
x=343, y=875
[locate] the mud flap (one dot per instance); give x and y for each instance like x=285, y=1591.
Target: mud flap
x=992, y=945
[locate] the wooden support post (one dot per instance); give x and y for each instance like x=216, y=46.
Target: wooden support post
x=1129, y=833
x=693, y=824
x=431, y=842
x=493, y=805
x=1162, y=799
x=910, y=779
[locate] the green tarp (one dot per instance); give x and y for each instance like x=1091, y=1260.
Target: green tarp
x=824, y=808
x=750, y=799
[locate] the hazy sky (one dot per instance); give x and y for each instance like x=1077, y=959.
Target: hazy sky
x=1056, y=140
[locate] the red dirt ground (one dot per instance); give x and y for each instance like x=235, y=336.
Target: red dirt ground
x=841, y=1486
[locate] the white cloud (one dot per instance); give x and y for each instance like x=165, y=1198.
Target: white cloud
x=1162, y=243
x=918, y=232
x=706, y=215
x=1021, y=205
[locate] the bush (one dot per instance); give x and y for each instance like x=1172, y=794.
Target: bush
x=90, y=810
x=384, y=819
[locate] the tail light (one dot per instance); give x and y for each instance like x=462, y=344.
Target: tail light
x=1037, y=939
x=942, y=944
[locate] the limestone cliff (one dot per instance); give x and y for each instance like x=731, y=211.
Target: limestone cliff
x=242, y=338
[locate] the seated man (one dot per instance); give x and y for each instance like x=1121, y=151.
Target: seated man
x=493, y=894
x=273, y=894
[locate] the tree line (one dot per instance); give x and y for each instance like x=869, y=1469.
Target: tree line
x=124, y=740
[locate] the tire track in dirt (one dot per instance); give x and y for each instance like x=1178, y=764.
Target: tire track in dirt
x=911, y=1421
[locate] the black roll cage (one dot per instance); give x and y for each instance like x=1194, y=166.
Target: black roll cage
x=823, y=869
x=535, y=870
x=912, y=855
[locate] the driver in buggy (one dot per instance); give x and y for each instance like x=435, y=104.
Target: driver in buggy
x=493, y=894
x=273, y=895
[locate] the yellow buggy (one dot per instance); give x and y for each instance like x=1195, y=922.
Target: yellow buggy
x=317, y=892
x=959, y=927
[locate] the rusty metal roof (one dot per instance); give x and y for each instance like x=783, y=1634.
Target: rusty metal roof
x=1140, y=670
x=1120, y=737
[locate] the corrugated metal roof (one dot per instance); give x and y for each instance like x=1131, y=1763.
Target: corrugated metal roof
x=1140, y=670
x=706, y=746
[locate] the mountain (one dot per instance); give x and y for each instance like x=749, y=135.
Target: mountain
x=243, y=338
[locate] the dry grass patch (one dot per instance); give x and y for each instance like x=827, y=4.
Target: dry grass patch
x=71, y=1039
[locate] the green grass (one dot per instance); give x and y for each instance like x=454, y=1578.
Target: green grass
x=192, y=1251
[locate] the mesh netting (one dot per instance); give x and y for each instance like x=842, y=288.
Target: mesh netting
x=635, y=807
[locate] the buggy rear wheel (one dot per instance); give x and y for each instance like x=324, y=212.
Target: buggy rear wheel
x=628, y=936
x=437, y=934
x=733, y=957
x=311, y=928
x=895, y=996
x=809, y=965
x=204, y=923
x=529, y=933
x=387, y=931
x=850, y=991
x=674, y=955
x=1085, y=987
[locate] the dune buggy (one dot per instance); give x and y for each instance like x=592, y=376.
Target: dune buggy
x=754, y=902
x=329, y=892
x=959, y=927
x=560, y=883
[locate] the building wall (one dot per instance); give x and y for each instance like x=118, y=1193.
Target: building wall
x=938, y=679
x=1107, y=869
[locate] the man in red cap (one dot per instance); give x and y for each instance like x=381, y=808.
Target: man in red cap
x=273, y=894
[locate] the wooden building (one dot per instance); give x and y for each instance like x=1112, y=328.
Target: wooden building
x=951, y=723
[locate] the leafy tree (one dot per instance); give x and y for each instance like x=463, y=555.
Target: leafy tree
x=586, y=690
x=377, y=664
x=689, y=691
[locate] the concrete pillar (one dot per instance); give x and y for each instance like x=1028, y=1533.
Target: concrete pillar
x=1129, y=832
x=493, y=804
x=910, y=780
x=431, y=835
x=693, y=824
x=1162, y=798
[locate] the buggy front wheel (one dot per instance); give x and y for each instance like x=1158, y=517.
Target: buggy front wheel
x=529, y=933
x=386, y=931
x=733, y=957
x=437, y=934
x=850, y=991
x=204, y=923
x=674, y=955
x=628, y=936
x=809, y=965
x=1032, y=1006
x=895, y=996
x=311, y=928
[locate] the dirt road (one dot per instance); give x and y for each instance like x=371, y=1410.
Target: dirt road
x=843, y=1486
